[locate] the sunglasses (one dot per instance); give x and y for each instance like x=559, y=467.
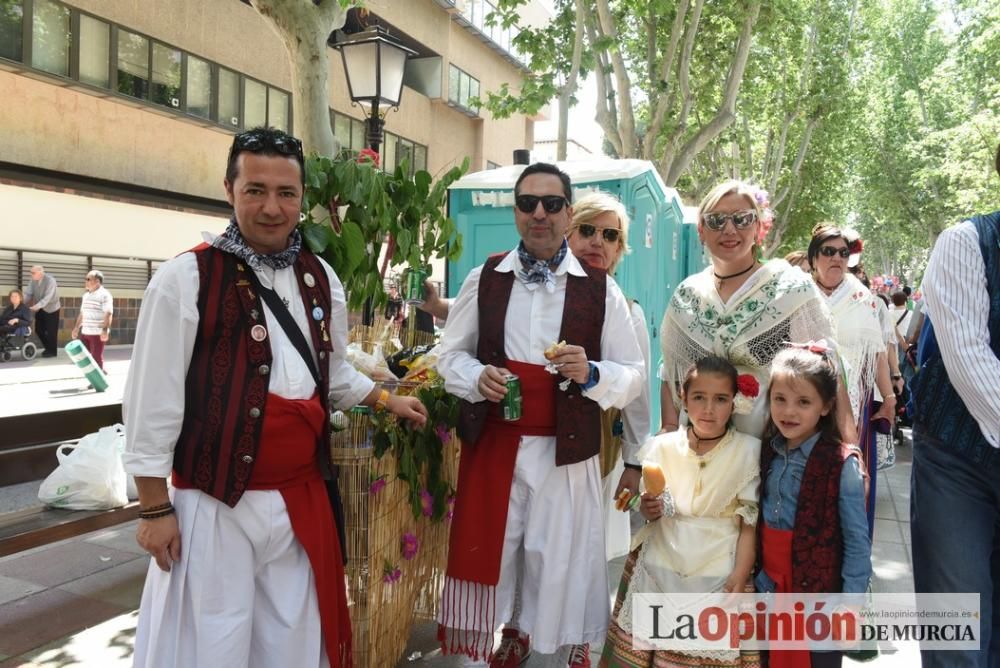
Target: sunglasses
x=551, y=203
x=740, y=219
x=830, y=251
x=610, y=234
x=255, y=141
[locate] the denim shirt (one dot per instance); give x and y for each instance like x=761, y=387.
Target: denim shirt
x=779, y=501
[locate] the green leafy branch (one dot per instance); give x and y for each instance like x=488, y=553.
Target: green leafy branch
x=352, y=208
x=420, y=452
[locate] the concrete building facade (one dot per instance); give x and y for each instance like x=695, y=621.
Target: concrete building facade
x=117, y=115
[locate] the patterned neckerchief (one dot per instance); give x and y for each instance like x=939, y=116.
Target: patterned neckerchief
x=232, y=241
x=538, y=272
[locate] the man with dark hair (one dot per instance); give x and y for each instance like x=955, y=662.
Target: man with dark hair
x=528, y=523
x=239, y=354
x=954, y=506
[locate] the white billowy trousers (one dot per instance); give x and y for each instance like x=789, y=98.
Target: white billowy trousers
x=242, y=595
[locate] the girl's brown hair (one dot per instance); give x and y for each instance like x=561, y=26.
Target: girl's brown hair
x=818, y=370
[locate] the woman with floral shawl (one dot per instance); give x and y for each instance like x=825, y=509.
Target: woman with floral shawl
x=739, y=307
x=860, y=338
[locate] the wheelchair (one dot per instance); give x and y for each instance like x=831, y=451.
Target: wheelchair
x=17, y=342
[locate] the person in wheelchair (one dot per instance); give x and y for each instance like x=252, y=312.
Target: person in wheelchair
x=15, y=326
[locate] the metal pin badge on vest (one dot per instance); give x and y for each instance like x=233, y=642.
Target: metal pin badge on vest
x=254, y=313
x=317, y=314
x=308, y=279
x=258, y=333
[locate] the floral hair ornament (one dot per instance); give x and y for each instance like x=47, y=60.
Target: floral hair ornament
x=747, y=389
x=766, y=214
x=821, y=347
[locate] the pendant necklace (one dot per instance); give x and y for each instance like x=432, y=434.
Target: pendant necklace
x=719, y=280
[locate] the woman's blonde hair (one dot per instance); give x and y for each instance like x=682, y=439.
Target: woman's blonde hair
x=732, y=186
x=592, y=205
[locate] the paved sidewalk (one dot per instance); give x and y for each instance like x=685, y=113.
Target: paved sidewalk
x=54, y=383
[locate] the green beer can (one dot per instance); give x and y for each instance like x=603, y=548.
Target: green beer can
x=511, y=402
x=413, y=286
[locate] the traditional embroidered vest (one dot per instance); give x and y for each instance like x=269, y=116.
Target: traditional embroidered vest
x=227, y=382
x=939, y=410
x=578, y=419
x=817, y=544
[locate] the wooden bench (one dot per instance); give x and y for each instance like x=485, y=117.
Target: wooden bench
x=37, y=526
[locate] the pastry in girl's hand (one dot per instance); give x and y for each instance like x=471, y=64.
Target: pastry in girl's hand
x=653, y=479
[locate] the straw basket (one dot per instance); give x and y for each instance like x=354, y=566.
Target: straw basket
x=382, y=612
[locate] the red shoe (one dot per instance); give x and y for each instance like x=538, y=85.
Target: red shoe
x=512, y=652
x=579, y=656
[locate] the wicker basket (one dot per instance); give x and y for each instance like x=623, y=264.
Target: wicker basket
x=382, y=613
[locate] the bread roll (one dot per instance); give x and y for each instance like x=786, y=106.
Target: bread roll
x=554, y=350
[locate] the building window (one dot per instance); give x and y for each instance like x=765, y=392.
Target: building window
x=199, y=87
x=11, y=29
x=254, y=104
x=461, y=88
x=419, y=158
x=229, y=98
x=133, y=64
x=166, y=89
x=50, y=38
x=70, y=43
x=95, y=51
x=277, y=109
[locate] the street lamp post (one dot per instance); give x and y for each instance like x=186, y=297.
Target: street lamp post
x=374, y=63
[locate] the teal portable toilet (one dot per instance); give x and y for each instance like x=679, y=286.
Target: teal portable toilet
x=481, y=204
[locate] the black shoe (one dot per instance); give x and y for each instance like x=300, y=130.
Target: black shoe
x=50, y=354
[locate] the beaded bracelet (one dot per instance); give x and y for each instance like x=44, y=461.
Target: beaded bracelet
x=153, y=509
x=148, y=515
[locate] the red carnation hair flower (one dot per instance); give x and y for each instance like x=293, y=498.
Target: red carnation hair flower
x=747, y=385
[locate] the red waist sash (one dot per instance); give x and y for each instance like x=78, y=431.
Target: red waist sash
x=485, y=475
x=286, y=461
x=776, y=545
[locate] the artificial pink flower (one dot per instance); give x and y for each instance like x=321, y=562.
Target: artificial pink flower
x=443, y=433
x=426, y=503
x=391, y=574
x=377, y=485
x=410, y=545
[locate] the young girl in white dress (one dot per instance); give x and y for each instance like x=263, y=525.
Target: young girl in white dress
x=700, y=535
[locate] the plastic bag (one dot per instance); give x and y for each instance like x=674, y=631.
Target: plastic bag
x=91, y=477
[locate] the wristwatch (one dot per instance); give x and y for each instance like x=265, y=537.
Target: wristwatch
x=593, y=379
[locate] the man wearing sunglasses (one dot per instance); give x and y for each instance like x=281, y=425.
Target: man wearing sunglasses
x=528, y=518
x=239, y=355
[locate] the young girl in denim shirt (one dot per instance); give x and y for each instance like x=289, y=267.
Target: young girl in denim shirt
x=814, y=532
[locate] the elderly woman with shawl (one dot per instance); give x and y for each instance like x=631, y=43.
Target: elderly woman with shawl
x=740, y=307
x=860, y=338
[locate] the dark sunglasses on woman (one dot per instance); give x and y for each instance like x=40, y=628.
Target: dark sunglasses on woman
x=610, y=234
x=551, y=203
x=740, y=219
x=830, y=251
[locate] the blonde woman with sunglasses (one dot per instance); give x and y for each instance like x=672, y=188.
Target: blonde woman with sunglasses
x=740, y=307
x=598, y=235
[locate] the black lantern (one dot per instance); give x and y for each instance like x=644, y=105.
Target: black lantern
x=374, y=64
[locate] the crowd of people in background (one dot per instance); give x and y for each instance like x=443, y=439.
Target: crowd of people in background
x=37, y=312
